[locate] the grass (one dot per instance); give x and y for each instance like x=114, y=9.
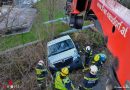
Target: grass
x=38, y=30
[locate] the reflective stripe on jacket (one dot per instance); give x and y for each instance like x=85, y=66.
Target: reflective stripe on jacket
x=91, y=53
x=68, y=84
x=41, y=72
x=90, y=80
x=59, y=83
x=63, y=84
x=87, y=88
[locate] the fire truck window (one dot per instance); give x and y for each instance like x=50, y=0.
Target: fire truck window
x=81, y=5
x=125, y=3
x=113, y=29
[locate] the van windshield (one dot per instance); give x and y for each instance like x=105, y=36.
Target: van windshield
x=60, y=47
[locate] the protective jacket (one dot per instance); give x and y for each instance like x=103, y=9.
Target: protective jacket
x=63, y=84
x=88, y=56
x=41, y=72
x=89, y=81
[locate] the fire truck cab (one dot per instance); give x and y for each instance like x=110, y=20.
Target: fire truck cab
x=74, y=9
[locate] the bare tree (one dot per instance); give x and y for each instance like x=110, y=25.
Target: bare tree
x=19, y=64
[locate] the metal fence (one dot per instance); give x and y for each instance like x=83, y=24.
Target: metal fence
x=6, y=2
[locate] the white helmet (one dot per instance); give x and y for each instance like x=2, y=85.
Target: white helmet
x=40, y=62
x=93, y=69
x=88, y=48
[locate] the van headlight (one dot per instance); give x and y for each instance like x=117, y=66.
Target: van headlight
x=76, y=57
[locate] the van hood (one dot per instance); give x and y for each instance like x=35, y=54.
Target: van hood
x=60, y=56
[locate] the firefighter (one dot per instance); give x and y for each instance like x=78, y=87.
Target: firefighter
x=90, y=79
x=88, y=55
x=41, y=73
x=62, y=81
x=99, y=59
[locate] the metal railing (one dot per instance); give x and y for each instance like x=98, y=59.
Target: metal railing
x=8, y=2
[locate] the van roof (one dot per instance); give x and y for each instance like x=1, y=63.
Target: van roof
x=58, y=40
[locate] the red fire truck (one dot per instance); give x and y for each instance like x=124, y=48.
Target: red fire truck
x=113, y=18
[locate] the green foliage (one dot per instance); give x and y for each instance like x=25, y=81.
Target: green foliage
x=38, y=30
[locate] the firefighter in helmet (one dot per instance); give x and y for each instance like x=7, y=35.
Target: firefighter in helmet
x=99, y=59
x=90, y=79
x=62, y=81
x=88, y=58
x=41, y=73
x=88, y=55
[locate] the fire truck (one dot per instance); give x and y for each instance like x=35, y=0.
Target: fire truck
x=112, y=17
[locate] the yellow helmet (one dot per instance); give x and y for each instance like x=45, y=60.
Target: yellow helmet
x=96, y=57
x=64, y=71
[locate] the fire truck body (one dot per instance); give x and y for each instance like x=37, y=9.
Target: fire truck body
x=115, y=22
x=74, y=9
x=114, y=19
